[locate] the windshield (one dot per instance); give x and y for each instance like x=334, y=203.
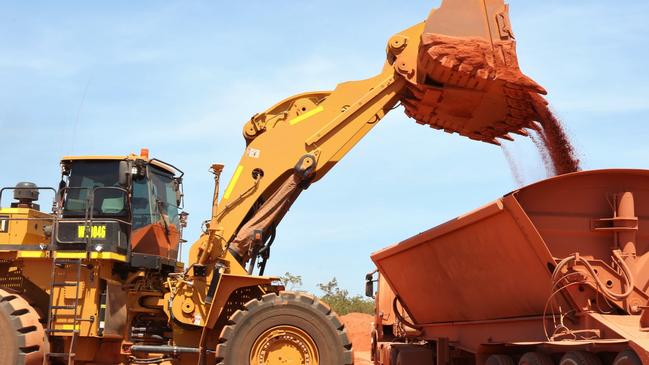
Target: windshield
x=100, y=177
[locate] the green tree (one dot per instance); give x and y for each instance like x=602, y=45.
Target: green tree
x=290, y=281
x=341, y=302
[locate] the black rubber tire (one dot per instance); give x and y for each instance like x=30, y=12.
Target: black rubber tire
x=499, y=359
x=535, y=358
x=21, y=334
x=580, y=358
x=299, y=310
x=627, y=357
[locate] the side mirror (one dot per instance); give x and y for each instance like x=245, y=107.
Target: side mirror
x=179, y=194
x=369, y=285
x=124, y=171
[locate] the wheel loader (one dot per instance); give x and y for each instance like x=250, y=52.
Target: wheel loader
x=98, y=281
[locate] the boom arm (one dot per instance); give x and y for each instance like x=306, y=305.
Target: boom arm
x=295, y=143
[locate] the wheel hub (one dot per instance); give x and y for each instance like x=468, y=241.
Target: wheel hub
x=284, y=345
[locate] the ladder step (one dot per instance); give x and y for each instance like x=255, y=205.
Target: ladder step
x=66, y=283
x=61, y=354
x=67, y=261
x=63, y=307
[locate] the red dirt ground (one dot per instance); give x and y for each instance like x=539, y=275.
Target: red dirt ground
x=359, y=327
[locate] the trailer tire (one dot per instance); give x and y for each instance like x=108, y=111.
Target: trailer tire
x=627, y=357
x=580, y=358
x=535, y=358
x=284, y=328
x=22, y=338
x=499, y=359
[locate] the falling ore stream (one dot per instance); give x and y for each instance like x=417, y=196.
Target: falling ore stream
x=551, y=141
x=513, y=166
x=559, y=148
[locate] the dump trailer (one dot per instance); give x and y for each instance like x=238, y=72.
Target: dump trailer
x=97, y=280
x=553, y=273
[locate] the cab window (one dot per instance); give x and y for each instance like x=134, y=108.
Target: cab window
x=164, y=195
x=141, y=203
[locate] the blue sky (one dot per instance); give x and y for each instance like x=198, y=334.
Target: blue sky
x=181, y=78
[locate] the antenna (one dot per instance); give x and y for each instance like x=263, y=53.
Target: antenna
x=76, y=122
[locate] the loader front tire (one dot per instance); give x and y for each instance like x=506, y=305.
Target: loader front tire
x=22, y=339
x=285, y=328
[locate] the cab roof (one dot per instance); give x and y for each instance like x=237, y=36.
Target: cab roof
x=161, y=164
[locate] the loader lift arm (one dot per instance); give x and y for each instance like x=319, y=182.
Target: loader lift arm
x=290, y=146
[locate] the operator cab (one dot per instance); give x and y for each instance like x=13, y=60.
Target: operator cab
x=122, y=207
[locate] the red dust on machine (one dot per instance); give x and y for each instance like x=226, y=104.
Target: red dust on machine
x=553, y=273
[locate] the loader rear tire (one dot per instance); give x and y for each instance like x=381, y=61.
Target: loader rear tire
x=22, y=338
x=285, y=328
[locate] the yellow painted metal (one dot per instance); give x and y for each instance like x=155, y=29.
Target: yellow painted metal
x=284, y=345
x=23, y=226
x=33, y=254
x=74, y=255
x=233, y=182
x=95, y=157
x=107, y=256
x=306, y=115
x=69, y=327
x=71, y=255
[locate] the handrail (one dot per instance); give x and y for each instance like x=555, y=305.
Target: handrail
x=2, y=190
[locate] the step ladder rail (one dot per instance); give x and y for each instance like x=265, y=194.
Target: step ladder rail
x=75, y=320
x=62, y=264
x=59, y=265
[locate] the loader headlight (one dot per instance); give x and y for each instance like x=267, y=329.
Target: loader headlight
x=99, y=248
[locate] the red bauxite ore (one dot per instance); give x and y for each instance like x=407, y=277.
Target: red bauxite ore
x=359, y=329
x=560, y=150
x=537, y=138
x=513, y=166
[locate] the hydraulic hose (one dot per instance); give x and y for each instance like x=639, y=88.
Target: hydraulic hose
x=602, y=286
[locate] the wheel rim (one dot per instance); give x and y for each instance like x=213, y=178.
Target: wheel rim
x=283, y=345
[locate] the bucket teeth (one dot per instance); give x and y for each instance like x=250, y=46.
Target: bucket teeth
x=507, y=136
x=469, y=80
x=521, y=132
x=493, y=141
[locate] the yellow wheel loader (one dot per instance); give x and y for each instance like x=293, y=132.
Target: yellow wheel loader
x=97, y=280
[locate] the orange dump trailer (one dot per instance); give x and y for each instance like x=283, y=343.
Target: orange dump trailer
x=553, y=273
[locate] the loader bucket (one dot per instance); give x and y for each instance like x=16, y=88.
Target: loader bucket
x=468, y=79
